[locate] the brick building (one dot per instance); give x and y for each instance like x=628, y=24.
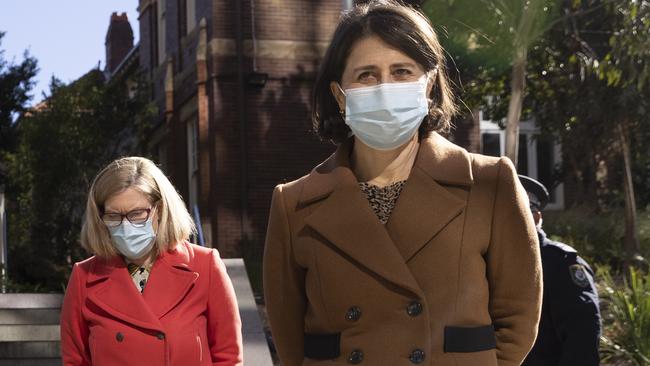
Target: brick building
x=232, y=82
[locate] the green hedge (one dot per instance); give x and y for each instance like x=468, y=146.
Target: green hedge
x=598, y=237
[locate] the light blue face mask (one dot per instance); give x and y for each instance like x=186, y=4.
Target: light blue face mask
x=388, y=115
x=132, y=241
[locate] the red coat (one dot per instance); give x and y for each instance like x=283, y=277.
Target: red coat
x=186, y=316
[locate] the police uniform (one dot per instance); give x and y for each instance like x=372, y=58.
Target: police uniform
x=569, y=328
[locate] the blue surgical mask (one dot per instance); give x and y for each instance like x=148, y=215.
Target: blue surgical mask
x=388, y=115
x=132, y=241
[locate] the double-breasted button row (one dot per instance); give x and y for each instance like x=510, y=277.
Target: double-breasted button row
x=120, y=337
x=417, y=356
x=353, y=314
x=414, y=308
x=355, y=357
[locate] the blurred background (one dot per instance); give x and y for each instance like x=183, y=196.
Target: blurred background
x=218, y=93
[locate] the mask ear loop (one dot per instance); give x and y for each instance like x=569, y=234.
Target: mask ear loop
x=432, y=75
x=341, y=111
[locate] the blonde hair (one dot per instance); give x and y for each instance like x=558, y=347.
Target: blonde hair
x=175, y=223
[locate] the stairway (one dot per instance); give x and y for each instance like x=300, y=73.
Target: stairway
x=29, y=329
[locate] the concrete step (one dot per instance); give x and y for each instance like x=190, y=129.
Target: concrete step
x=31, y=301
x=256, y=350
x=31, y=362
x=28, y=350
x=29, y=316
x=29, y=333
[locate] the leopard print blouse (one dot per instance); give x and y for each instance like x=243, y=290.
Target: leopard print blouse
x=382, y=199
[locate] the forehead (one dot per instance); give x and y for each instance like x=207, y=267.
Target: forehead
x=373, y=51
x=127, y=200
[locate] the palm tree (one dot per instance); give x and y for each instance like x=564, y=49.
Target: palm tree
x=497, y=35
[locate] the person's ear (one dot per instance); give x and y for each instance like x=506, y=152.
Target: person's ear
x=537, y=217
x=339, y=95
x=156, y=211
x=432, y=77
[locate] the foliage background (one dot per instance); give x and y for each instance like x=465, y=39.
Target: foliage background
x=63, y=142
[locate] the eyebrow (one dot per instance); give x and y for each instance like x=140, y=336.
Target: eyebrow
x=109, y=211
x=364, y=68
x=402, y=64
x=393, y=66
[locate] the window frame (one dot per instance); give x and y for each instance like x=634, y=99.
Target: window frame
x=531, y=131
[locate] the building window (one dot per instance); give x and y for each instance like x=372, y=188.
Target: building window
x=193, y=161
x=523, y=154
x=190, y=14
x=153, y=35
x=182, y=18
x=537, y=158
x=548, y=157
x=186, y=17
x=162, y=26
x=491, y=143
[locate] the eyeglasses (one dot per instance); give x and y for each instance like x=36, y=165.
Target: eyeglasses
x=137, y=218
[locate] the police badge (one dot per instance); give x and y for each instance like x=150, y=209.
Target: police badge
x=579, y=275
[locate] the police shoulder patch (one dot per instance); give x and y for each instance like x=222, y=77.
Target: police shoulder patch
x=579, y=275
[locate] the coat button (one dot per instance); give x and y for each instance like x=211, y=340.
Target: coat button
x=353, y=314
x=356, y=357
x=417, y=356
x=160, y=336
x=414, y=309
x=119, y=337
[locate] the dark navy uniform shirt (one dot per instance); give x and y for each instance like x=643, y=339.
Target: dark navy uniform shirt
x=569, y=328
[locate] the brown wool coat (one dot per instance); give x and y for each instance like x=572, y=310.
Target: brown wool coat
x=460, y=243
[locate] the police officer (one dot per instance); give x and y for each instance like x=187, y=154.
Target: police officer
x=569, y=328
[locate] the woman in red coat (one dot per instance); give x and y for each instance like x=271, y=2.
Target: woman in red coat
x=147, y=296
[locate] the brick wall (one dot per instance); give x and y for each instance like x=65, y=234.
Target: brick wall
x=144, y=23
x=280, y=145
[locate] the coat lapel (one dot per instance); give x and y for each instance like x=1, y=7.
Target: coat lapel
x=426, y=206
x=115, y=293
x=346, y=221
x=170, y=280
x=422, y=210
x=344, y=217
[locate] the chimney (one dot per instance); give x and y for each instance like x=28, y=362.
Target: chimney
x=119, y=40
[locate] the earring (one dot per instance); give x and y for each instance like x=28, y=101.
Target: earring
x=342, y=112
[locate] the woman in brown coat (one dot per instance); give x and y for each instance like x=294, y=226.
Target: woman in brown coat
x=401, y=248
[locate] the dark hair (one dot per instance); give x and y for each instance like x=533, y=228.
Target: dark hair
x=401, y=27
